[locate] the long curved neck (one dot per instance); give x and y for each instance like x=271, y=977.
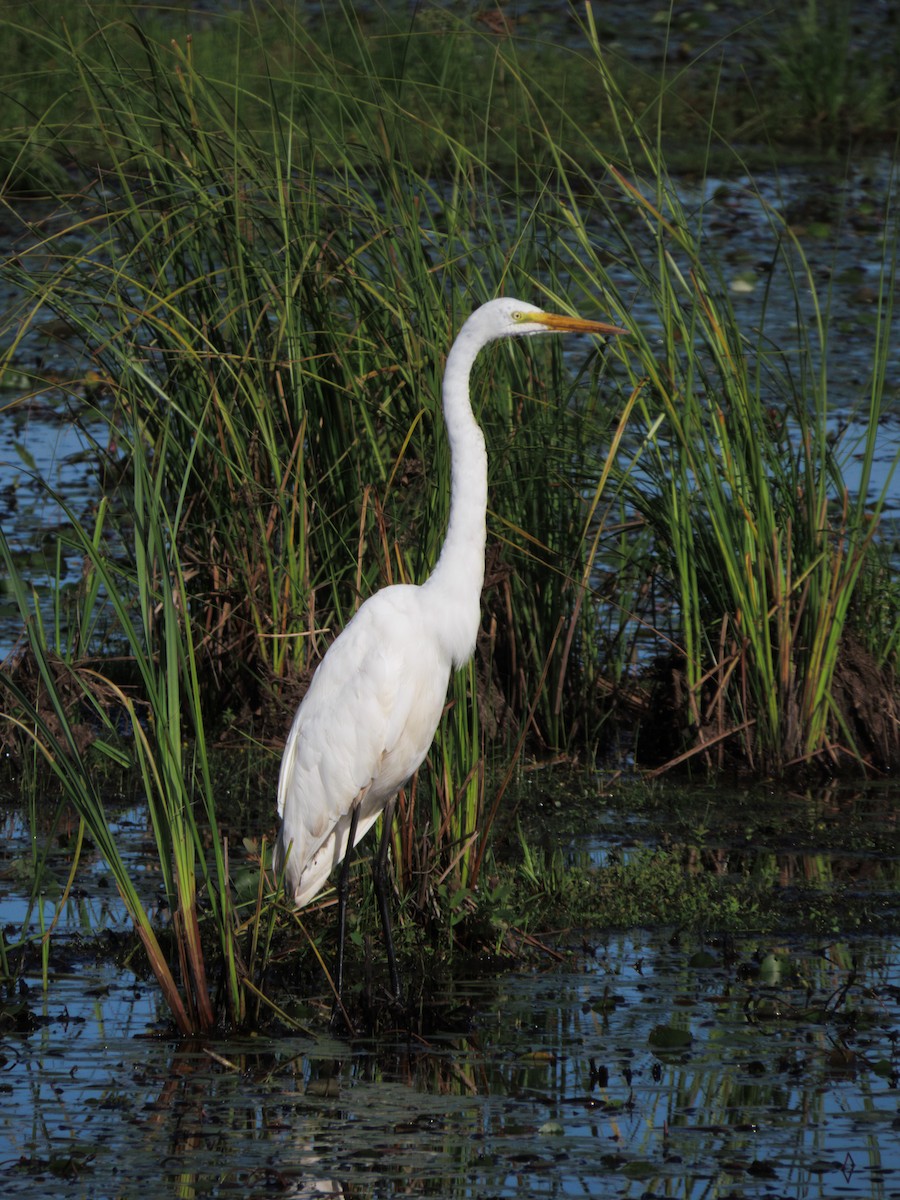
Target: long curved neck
x=459, y=572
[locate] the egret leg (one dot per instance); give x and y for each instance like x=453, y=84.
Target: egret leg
x=382, y=888
x=343, y=893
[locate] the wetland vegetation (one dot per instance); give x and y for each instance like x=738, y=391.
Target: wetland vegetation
x=237, y=247
x=647, y=885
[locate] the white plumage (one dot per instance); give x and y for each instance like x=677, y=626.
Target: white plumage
x=358, y=736
x=374, y=703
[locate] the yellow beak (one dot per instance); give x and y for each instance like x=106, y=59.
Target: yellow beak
x=561, y=323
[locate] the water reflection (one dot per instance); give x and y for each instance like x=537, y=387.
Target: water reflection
x=782, y=1081
x=645, y=1064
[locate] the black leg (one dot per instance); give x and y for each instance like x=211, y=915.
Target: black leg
x=381, y=882
x=338, y=1015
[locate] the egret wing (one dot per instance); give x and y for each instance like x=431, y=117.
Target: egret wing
x=362, y=729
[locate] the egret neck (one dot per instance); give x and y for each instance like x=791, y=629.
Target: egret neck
x=458, y=575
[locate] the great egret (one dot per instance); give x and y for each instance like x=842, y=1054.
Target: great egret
x=372, y=708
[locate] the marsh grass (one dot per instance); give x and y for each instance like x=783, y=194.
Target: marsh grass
x=269, y=340
x=175, y=772
x=266, y=277
x=756, y=534
x=809, y=79
x=831, y=77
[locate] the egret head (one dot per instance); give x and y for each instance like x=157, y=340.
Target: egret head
x=508, y=317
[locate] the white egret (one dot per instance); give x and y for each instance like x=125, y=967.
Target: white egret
x=372, y=708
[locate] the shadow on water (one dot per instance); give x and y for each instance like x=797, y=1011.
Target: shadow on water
x=648, y=1064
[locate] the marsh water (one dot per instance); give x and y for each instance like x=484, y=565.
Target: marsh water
x=636, y=1064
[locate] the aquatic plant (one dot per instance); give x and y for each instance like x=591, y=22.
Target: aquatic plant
x=756, y=534
x=265, y=347
x=264, y=256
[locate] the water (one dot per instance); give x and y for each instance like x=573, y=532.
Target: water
x=553, y=1089
x=645, y=1063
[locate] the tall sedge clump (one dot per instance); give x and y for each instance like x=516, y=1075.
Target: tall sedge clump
x=755, y=533
x=171, y=785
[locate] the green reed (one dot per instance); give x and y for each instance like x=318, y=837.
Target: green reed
x=268, y=338
x=754, y=533
x=267, y=272
x=147, y=596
